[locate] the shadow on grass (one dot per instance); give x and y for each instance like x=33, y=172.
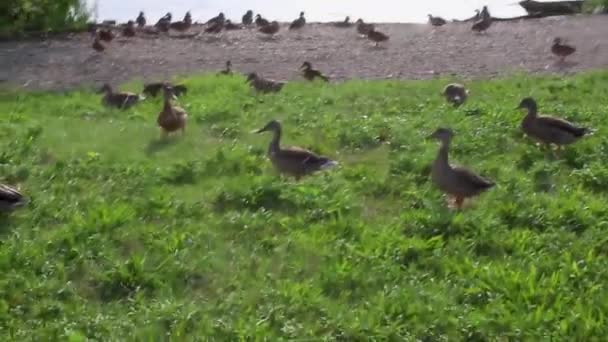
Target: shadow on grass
x=157, y=145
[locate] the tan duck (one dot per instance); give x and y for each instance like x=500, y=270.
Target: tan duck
x=227, y=70
x=271, y=29
x=457, y=182
x=152, y=89
x=129, y=29
x=247, y=18
x=363, y=28
x=436, y=21
x=260, y=21
x=264, y=85
x=343, y=24
x=455, y=93
x=377, y=37
x=141, y=20
x=121, y=100
x=561, y=50
x=298, y=23
x=310, y=74
x=171, y=118
x=547, y=129
x=293, y=161
x=10, y=198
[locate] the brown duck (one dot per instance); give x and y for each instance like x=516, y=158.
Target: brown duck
x=548, y=129
x=163, y=24
x=436, y=21
x=293, y=161
x=455, y=93
x=152, y=89
x=97, y=45
x=247, y=18
x=171, y=118
x=227, y=70
x=260, y=22
x=457, y=182
x=10, y=198
x=310, y=74
x=264, y=85
x=484, y=22
x=343, y=24
x=106, y=35
x=129, y=29
x=377, y=37
x=220, y=18
x=121, y=100
x=270, y=29
x=298, y=23
x=141, y=20
x=561, y=50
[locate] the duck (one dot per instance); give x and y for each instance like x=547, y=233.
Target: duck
x=270, y=29
x=215, y=27
x=105, y=35
x=310, y=74
x=141, y=20
x=220, y=18
x=298, y=23
x=188, y=18
x=455, y=93
x=97, y=45
x=129, y=29
x=247, y=18
x=264, y=85
x=343, y=24
x=10, y=198
x=436, y=21
x=260, y=22
x=230, y=26
x=561, y=50
x=457, y=182
x=482, y=24
x=293, y=161
x=181, y=26
x=152, y=89
x=227, y=70
x=377, y=37
x=163, y=24
x=485, y=13
x=121, y=100
x=171, y=118
x=364, y=28
x=549, y=129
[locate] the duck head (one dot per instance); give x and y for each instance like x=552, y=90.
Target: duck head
x=169, y=92
x=557, y=41
x=251, y=76
x=301, y=14
x=306, y=66
x=272, y=126
x=442, y=134
x=529, y=104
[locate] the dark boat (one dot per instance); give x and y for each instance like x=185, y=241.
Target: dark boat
x=552, y=7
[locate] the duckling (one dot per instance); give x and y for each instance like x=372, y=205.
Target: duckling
x=548, y=129
x=343, y=24
x=561, y=50
x=376, y=36
x=298, y=23
x=152, y=89
x=10, y=198
x=457, y=182
x=260, y=22
x=482, y=24
x=228, y=70
x=247, y=18
x=129, y=30
x=264, y=85
x=163, y=24
x=310, y=74
x=229, y=26
x=455, y=93
x=436, y=21
x=106, y=35
x=270, y=29
x=121, y=100
x=220, y=18
x=141, y=20
x=364, y=28
x=293, y=161
x=171, y=118
x=215, y=27
x=97, y=45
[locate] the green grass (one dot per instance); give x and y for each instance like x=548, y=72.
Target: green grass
x=128, y=239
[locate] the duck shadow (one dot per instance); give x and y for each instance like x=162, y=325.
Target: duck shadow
x=559, y=65
x=272, y=39
x=157, y=145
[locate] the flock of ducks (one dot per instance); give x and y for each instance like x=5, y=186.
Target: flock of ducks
x=458, y=183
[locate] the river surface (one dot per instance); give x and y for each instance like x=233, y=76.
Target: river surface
x=398, y=11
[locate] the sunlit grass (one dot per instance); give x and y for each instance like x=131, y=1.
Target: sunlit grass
x=128, y=238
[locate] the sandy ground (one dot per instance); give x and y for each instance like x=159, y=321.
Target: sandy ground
x=414, y=51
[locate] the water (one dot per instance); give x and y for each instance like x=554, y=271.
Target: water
x=316, y=10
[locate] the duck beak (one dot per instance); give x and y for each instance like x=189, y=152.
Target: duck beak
x=261, y=130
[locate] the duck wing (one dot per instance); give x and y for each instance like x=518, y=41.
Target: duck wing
x=298, y=155
x=469, y=177
x=562, y=125
x=9, y=197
